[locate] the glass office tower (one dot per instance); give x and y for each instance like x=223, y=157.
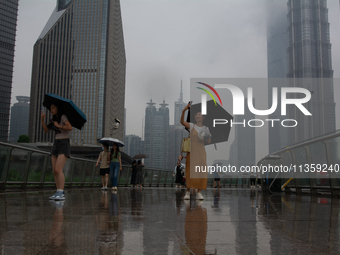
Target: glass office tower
x=8, y=24
x=80, y=55
x=310, y=67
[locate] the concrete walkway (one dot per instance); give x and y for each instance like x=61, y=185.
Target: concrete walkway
x=159, y=221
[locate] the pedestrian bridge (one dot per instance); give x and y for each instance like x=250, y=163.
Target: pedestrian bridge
x=158, y=221
x=234, y=219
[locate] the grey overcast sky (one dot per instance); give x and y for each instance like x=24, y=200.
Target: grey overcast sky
x=167, y=41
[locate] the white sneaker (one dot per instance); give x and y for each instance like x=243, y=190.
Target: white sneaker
x=199, y=196
x=187, y=196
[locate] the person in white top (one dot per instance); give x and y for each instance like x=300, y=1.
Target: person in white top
x=199, y=136
x=61, y=146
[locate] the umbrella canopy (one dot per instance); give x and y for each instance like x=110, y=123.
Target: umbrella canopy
x=75, y=116
x=140, y=156
x=110, y=141
x=219, y=133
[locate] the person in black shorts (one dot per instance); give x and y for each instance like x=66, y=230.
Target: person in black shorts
x=104, y=159
x=61, y=147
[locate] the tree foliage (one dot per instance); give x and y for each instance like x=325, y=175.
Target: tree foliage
x=23, y=139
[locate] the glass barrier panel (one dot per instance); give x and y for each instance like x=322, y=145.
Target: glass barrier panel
x=36, y=165
x=89, y=171
x=233, y=181
x=79, y=168
x=288, y=163
x=302, y=178
x=318, y=154
x=335, y=145
x=17, y=165
x=124, y=177
x=155, y=176
x=147, y=176
x=162, y=179
x=49, y=176
x=3, y=155
x=169, y=179
x=67, y=170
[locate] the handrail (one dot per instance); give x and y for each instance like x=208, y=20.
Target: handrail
x=311, y=181
x=40, y=151
x=17, y=172
x=308, y=142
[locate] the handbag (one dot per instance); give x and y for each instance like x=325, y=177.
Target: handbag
x=185, y=145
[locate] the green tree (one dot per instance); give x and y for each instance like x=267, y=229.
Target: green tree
x=23, y=139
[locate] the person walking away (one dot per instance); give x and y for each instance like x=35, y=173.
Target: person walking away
x=179, y=177
x=139, y=176
x=61, y=147
x=217, y=180
x=115, y=165
x=133, y=173
x=104, y=160
x=199, y=135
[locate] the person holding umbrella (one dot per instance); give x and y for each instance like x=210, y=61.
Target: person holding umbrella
x=199, y=135
x=61, y=146
x=66, y=115
x=116, y=163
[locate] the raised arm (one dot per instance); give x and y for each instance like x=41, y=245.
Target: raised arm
x=183, y=122
x=42, y=117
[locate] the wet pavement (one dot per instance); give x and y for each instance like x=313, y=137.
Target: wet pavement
x=159, y=221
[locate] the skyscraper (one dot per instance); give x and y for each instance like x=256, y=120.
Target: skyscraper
x=8, y=20
x=80, y=55
x=179, y=106
x=276, y=65
x=156, y=136
x=133, y=145
x=177, y=132
x=19, y=118
x=310, y=67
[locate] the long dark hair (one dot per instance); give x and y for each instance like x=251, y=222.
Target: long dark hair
x=116, y=154
x=57, y=117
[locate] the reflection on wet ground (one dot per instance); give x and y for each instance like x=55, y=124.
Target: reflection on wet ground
x=159, y=221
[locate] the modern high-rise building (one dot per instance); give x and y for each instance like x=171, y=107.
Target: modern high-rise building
x=19, y=118
x=8, y=21
x=156, y=136
x=133, y=145
x=310, y=67
x=277, y=38
x=80, y=55
x=179, y=106
x=176, y=134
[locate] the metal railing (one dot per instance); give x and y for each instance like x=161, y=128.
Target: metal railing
x=314, y=165
x=23, y=166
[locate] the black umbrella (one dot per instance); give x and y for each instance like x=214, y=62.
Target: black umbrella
x=219, y=133
x=140, y=156
x=75, y=116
